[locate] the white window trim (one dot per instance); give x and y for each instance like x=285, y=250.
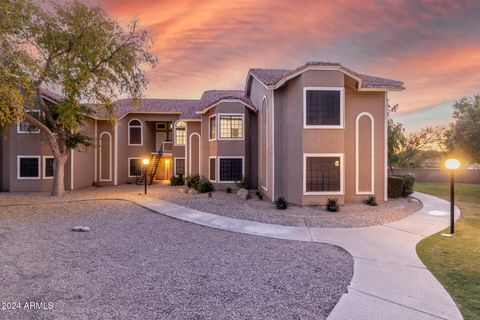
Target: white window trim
x=342, y=174
x=36, y=130
x=357, y=154
x=264, y=113
x=216, y=127
x=217, y=168
x=219, y=135
x=175, y=166
x=128, y=163
x=141, y=133
x=175, y=134
x=342, y=107
x=209, y=158
x=39, y=167
x=100, y=156
x=44, y=167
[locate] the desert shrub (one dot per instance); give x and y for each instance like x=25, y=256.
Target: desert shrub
x=395, y=186
x=259, y=195
x=204, y=186
x=371, y=201
x=192, y=181
x=281, y=203
x=242, y=184
x=408, y=183
x=333, y=205
x=177, y=180
x=228, y=190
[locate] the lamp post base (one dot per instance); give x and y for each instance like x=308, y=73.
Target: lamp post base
x=447, y=235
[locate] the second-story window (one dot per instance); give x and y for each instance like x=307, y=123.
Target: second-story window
x=27, y=127
x=231, y=126
x=213, y=128
x=180, y=133
x=135, y=137
x=323, y=107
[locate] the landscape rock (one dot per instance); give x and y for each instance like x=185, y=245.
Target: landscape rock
x=192, y=192
x=243, y=194
x=182, y=190
x=80, y=229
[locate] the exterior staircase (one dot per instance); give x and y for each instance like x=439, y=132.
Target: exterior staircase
x=151, y=171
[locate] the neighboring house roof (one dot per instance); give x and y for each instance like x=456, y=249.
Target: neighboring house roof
x=50, y=95
x=211, y=98
x=186, y=108
x=277, y=77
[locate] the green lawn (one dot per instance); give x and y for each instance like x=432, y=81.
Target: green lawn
x=456, y=261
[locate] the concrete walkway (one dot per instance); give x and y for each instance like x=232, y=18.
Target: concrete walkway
x=389, y=281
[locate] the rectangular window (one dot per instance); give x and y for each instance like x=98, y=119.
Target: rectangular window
x=47, y=167
x=323, y=107
x=212, y=168
x=27, y=127
x=231, y=169
x=323, y=174
x=179, y=166
x=28, y=167
x=231, y=126
x=180, y=136
x=213, y=128
x=134, y=167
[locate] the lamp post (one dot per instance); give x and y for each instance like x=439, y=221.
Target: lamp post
x=145, y=164
x=452, y=165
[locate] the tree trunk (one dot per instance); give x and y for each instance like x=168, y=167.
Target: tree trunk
x=58, y=184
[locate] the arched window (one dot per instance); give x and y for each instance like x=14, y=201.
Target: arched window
x=180, y=127
x=135, y=133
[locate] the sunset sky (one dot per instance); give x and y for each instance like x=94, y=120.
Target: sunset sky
x=431, y=45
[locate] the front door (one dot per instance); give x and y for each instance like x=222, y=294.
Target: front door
x=160, y=137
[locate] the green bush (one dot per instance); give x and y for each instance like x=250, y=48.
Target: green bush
x=177, y=180
x=408, y=183
x=281, y=203
x=395, y=186
x=333, y=205
x=371, y=201
x=259, y=195
x=243, y=184
x=192, y=181
x=204, y=186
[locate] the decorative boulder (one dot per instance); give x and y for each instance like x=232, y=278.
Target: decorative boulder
x=80, y=229
x=192, y=192
x=243, y=194
x=182, y=190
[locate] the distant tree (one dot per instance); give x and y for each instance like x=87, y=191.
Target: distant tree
x=410, y=150
x=76, y=48
x=463, y=136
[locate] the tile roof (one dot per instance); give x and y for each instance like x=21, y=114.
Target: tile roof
x=210, y=97
x=271, y=77
x=186, y=108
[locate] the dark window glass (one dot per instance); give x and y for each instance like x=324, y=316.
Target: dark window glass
x=26, y=126
x=323, y=174
x=323, y=107
x=135, y=135
x=213, y=128
x=231, y=169
x=29, y=168
x=180, y=167
x=212, y=168
x=48, y=167
x=135, y=167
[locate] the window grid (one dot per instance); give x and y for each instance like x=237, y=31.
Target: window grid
x=180, y=167
x=231, y=127
x=212, y=168
x=323, y=107
x=231, y=169
x=48, y=167
x=180, y=135
x=213, y=128
x=26, y=126
x=29, y=167
x=135, y=167
x=323, y=174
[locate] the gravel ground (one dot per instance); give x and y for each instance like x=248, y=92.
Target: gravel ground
x=135, y=264
x=350, y=215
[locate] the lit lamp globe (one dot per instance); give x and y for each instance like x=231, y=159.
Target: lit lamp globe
x=146, y=161
x=452, y=164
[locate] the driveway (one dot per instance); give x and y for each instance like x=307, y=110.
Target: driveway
x=136, y=264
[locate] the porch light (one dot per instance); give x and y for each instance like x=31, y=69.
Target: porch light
x=146, y=161
x=337, y=163
x=452, y=165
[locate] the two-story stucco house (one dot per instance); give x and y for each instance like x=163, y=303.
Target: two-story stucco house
x=306, y=134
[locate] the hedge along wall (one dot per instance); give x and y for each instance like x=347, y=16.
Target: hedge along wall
x=442, y=175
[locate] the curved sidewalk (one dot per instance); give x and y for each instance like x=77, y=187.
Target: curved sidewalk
x=389, y=281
